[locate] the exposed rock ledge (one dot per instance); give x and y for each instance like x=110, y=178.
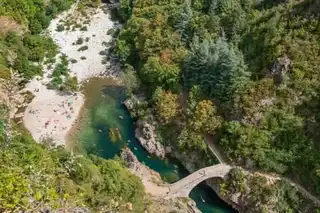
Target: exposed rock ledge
x=151, y=180
x=145, y=133
x=145, y=130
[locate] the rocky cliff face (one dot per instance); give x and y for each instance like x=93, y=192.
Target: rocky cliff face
x=145, y=128
x=145, y=133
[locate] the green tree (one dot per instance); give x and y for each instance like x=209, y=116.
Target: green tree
x=155, y=72
x=129, y=79
x=217, y=68
x=205, y=118
x=166, y=105
x=189, y=139
x=70, y=84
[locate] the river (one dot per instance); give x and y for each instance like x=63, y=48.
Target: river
x=102, y=110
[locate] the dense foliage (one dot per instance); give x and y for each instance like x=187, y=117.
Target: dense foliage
x=245, y=71
x=34, y=176
x=23, y=48
x=264, y=194
x=39, y=177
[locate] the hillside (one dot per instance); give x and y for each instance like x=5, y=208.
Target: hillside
x=240, y=76
x=43, y=177
x=244, y=72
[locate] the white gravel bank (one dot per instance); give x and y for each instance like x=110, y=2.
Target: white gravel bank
x=52, y=114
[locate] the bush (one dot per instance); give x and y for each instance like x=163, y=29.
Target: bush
x=79, y=41
x=85, y=28
x=83, y=48
x=73, y=61
x=60, y=70
x=60, y=28
x=4, y=72
x=102, y=52
x=71, y=84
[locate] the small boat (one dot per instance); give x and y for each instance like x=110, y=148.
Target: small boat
x=121, y=117
x=99, y=130
x=203, y=200
x=129, y=141
x=135, y=148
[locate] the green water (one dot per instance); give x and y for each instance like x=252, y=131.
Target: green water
x=103, y=109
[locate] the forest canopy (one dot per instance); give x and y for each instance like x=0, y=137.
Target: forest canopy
x=245, y=72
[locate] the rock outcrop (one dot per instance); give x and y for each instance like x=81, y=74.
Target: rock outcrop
x=279, y=68
x=145, y=129
x=139, y=169
x=146, y=134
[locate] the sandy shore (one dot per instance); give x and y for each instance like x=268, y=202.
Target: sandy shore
x=52, y=114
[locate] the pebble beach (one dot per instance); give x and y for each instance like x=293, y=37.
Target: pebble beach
x=52, y=113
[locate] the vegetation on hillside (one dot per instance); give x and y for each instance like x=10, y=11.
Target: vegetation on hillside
x=24, y=51
x=245, y=71
x=262, y=194
x=35, y=176
x=39, y=177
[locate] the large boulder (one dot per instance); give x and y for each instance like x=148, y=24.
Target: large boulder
x=146, y=134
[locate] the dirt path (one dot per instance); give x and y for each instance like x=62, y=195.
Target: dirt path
x=214, y=149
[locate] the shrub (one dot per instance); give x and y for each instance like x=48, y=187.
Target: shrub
x=71, y=84
x=83, y=48
x=110, y=32
x=102, y=52
x=60, y=69
x=60, y=28
x=85, y=28
x=73, y=61
x=79, y=41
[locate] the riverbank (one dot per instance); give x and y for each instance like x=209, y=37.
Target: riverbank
x=103, y=109
x=51, y=114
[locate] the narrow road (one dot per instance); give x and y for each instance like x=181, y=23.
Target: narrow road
x=210, y=142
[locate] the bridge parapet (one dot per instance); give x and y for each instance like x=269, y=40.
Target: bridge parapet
x=183, y=187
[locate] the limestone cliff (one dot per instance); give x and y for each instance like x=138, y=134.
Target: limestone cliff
x=145, y=128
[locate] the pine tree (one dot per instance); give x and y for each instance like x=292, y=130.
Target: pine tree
x=217, y=68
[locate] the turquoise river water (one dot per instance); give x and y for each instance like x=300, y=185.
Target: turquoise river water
x=101, y=112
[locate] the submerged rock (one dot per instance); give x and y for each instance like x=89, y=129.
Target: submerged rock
x=146, y=134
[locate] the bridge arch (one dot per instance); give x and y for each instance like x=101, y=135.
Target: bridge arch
x=183, y=187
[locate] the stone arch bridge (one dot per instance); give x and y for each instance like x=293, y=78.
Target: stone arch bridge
x=183, y=187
